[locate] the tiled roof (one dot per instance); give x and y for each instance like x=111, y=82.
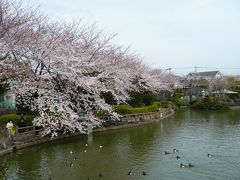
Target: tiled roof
x=206, y=73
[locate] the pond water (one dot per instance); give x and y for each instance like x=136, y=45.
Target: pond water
x=138, y=149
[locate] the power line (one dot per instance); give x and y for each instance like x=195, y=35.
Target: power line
x=202, y=67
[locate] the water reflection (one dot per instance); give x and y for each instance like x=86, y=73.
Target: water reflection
x=138, y=149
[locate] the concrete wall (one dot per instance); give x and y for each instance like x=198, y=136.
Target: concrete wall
x=7, y=100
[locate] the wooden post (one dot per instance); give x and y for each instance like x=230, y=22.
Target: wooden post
x=89, y=128
x=16, y=130
x=34, y=131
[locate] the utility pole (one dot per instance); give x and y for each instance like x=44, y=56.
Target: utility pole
x=195, y=67
x=169, y=69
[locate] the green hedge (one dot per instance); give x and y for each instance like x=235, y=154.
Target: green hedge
x=166, y=104
x=126, y=109
x=4, y=119
x=215, y=105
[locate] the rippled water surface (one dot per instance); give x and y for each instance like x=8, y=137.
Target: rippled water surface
x=193, y=133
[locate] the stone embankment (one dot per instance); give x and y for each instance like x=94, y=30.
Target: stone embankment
x=29, y=136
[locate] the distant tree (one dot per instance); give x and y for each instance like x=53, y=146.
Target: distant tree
x=149, y=97
x=3, y=86
x=136, y=99
x=109, y=98
x=234, y=84
x=177, y=97
x=139, y=99
x=178, y=93
x=220, y=83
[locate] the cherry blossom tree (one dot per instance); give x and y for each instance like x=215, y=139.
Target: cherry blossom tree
x=60, y=69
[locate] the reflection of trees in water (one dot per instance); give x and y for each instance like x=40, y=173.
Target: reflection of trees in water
x=144, y=138
x=3, y=171
x=234, y=116
x=179, y=116
x=141, y=138
x=25, y=161
x=16, y=165
x=120, y=149
x=219, y=118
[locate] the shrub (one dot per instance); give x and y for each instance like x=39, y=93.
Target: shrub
x=148, y=98
x=4, y=119
x=143, y=98
x=127, y=109
x=109, y=98
x=165, y=104
x=210, y=105
x=123, y=109
x=179, y=102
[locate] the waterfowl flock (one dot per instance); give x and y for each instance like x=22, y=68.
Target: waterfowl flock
x=189, y=165
x=100, y=174
x=143, y=173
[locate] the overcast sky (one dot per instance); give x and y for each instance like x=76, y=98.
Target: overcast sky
x=177, y=34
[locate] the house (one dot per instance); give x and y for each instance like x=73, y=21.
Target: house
x=7, y=100
x=199, y=84
x=238, y=77
x=204, y=75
